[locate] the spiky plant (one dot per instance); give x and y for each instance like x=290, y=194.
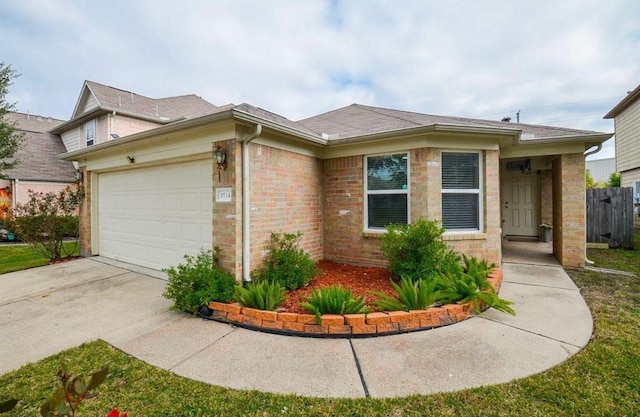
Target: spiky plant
x=334, y=300
x=463, y=287
x=418, y=295
x=263, y=295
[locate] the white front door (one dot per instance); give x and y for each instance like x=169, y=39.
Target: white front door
x=520, y=204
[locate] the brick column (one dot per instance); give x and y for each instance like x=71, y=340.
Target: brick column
x=434, y=185
x=569, y=209
x=227, y=216
x=85, y=214
x=492, y=217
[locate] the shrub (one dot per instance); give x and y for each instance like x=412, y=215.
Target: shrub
x=287, y=264
x=46, y=219
x=334, y=300
x=417, y=251
x=412, y=295
x=263, y=295
x=198, y=281
x=457, y=285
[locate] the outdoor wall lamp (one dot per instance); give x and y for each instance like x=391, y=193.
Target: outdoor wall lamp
x=221, y=158
x=131, y=159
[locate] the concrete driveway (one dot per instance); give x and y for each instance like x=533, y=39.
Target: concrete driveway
x=49, y=309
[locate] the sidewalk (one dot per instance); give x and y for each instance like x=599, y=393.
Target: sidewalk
x=126, y=309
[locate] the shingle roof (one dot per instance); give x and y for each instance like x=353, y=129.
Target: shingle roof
x=40, y=150
x=162, y=109
x=628, y=100
x=358, y=120
x=267, y=115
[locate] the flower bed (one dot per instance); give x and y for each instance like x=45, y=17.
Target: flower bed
x=350, y=325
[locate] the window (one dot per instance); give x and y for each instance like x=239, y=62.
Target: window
x=461, y=197
x=387, y=190
x=90, y=132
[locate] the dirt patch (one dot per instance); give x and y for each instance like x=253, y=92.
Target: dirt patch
x=360, y=280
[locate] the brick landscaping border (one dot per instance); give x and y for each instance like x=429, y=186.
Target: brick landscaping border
x=349, y=325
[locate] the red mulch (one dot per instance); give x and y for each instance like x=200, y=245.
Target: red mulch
x=360, y=280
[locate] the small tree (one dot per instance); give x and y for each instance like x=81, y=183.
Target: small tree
x=10, y=137
x=592, y=183
x=46, y=219
x=614, y=180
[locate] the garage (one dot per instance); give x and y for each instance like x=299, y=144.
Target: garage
x=152, y=216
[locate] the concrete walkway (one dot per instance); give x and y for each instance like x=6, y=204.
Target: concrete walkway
x=48, y=309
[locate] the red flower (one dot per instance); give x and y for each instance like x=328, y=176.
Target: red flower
x=116, y=413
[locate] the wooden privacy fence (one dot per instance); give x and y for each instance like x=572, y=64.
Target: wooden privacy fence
x=610, y=216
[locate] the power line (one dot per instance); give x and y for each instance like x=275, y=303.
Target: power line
x=549, y=106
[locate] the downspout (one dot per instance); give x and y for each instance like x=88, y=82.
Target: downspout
x=587, y=153
x=246, y=215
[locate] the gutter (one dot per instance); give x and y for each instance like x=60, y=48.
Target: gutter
x=246, y=215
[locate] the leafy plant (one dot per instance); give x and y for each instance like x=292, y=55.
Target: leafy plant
x=67, y=398
x=479, y=268
x=46, y=219
x=417, y=251
x=198, y=281
x=287, y=263
x=457, y=285
x=263, y=295
x=412, y=295
x=334, y=300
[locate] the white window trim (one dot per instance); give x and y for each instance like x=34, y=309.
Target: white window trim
x=366, y=193
x=467, y=191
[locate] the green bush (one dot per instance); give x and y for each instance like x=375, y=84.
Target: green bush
x=460, y=286
x=412, y=295
x=287, y=264
x=198, y=281
x=46, y=219
x=417, y=251
x=334, y=300
x=263, y=295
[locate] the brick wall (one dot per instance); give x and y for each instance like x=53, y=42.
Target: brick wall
x=227, y=216
x=286, y=196
x=344, y=208
x=85, y=215
x=569, y=209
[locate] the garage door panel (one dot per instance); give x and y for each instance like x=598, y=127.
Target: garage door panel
x=153, y=216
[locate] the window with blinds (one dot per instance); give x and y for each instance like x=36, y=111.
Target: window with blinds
x=461, y=195
x=387, y=190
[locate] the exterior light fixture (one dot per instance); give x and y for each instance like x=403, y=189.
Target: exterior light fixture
x=221, y=158
x=131, y=159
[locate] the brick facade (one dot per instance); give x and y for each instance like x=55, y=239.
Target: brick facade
x=569, y=209
x=344, y=239
x=85, y=215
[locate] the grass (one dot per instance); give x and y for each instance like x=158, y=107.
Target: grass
x=18, y=257
x=602, y=380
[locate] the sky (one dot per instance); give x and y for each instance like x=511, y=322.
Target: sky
x=560, y=63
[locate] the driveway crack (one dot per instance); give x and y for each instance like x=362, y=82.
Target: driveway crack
x=360, y=374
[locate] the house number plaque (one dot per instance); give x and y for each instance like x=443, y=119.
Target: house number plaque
x=223, y=195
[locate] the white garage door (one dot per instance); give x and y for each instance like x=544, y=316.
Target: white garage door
x=153, y=216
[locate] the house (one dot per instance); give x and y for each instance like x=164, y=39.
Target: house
x=601, y=169
x=104, y=113
x=231, y=177
x=39, y=169
x=626, y=116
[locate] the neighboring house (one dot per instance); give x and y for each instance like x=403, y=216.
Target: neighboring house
x=601, y=169
x=40, y=169
x=104, y=113
x=626, y=116
x=338, y=178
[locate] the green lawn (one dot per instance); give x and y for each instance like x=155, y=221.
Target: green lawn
x=18, y=257
x=602, y=380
